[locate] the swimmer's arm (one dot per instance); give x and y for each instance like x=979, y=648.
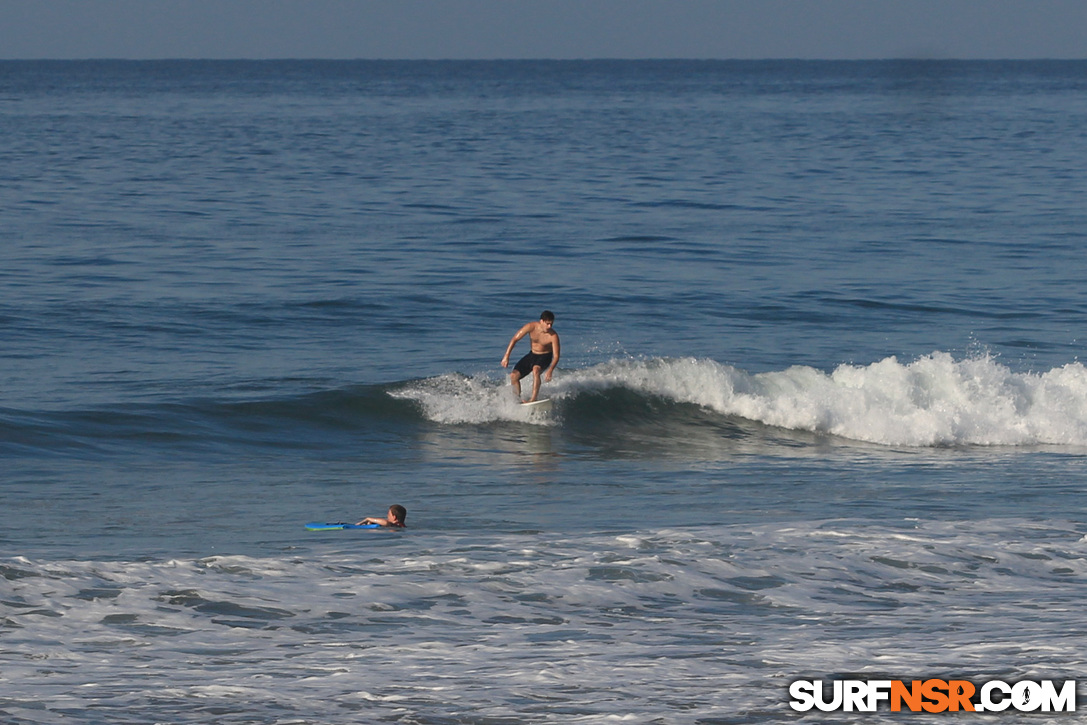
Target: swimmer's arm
x=373, y=520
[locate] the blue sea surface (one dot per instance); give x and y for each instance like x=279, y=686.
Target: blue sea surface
x=820, y=408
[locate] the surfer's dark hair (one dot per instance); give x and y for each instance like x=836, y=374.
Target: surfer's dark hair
x=547, y=316
x=400, y=511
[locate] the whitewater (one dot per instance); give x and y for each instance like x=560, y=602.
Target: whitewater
x=932, y=401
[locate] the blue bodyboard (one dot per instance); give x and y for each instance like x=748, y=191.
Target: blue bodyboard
x=318, y=526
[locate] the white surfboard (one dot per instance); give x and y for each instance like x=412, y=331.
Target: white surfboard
x=538, y=406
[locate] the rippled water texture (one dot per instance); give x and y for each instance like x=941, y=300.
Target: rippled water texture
x=820, y=411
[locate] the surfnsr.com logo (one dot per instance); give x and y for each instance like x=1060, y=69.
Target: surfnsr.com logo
x=933, y=696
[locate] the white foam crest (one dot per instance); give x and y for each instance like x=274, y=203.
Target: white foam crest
x=933, y=401
x=458, y=399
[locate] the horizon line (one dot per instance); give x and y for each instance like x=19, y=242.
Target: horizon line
x=600, y=59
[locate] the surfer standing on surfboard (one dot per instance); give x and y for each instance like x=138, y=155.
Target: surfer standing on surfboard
x=544, y=354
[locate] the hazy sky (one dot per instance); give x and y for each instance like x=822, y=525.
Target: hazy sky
x=543, y=28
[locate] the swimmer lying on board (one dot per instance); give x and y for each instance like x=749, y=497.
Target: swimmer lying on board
x=395, y=518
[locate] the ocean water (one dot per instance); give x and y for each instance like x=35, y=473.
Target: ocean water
x=820, y=411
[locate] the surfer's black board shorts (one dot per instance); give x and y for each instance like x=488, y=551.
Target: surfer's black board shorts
x=525, y=364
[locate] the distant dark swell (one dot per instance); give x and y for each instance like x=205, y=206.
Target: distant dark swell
x=310, y=421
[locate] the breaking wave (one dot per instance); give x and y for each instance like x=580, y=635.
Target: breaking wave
x=935, y=400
